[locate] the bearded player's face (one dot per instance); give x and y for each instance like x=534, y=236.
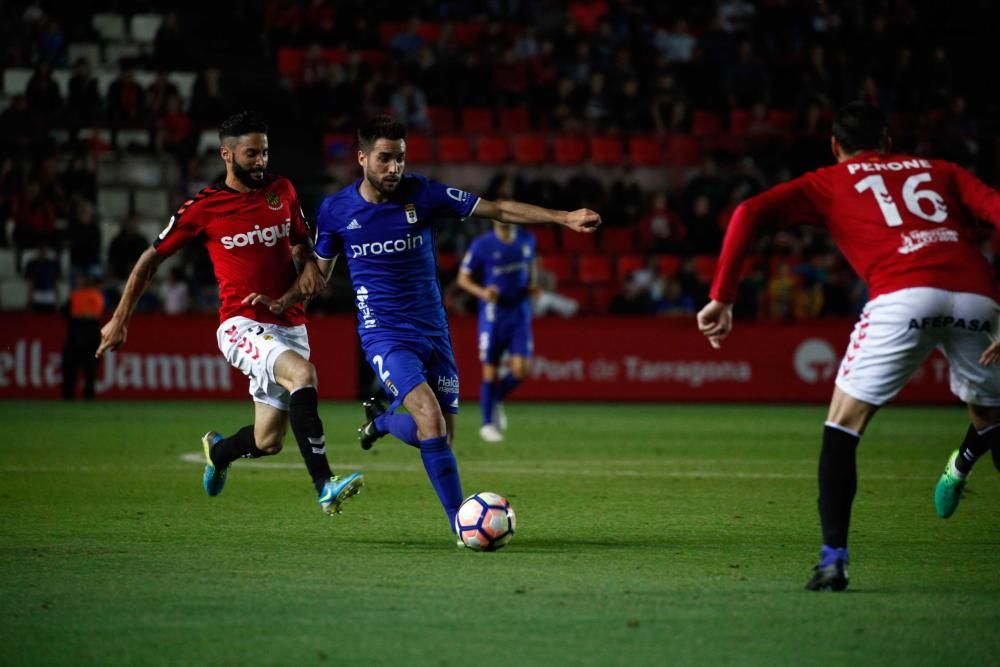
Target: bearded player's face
x=384, y=164
x=248, y=156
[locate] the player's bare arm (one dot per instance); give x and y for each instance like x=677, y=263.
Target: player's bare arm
x=991, y=355
x=715, y=321
x=114, y=333
x=483, y=292
x=519, y=213
x=299, y=292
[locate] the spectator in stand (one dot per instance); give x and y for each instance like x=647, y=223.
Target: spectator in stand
x=625, y=199
x=52, y=43
x=408, y=42
x=748, y=81
x=79, y=180
x=175, y=135
x=660, y=229
x=669, y=105
x=704, y=235
x=125, y=249
x=83, y=335
x=126, y=101
x=676, y=44
x=157, y=93
x=209, y=101
x=170, y=48
x=650, y=278
x=781, y=292
x=20, y=132
x=548, y=300
x=43, y=273
x=409, y=104
x=84, y=240
x=176, y=293
x=83, y=103
x=34, y=218
x=691, y=283
x=632, y=299
x=630, y=109
x=674, y=302
x=42, y=93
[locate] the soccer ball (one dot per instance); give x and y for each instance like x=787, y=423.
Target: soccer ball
x=485, y=521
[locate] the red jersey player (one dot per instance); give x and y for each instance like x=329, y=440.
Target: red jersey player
x=252, y=226
x=904, y=225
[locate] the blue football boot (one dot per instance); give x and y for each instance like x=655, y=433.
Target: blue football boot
x=214, y=479
x=339, y=489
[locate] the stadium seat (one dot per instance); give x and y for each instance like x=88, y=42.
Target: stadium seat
x=645, y=150
x=143, y=27
x=110, y=27
x=782, y=119
x=151, y=202
x=447, y=261
x=683, y=151
x=387, y=30
x=530, y=149
x=15, y=80
x=626, y=265
x=442, y=119
x=477, y=119
x=739, y=121
x=569, y=149
x=429, y=31
x=289, y=62
x=467, y=32
x=705, y=123
x=704, y=266
x=579, y=294
x=419, y=149
x=560, y=266
x=606, y=150
x=8, y=268
x=618, y=240
x=546, y=240
x=515, y=119
x=594, y=270
x=577, y=242
x=669, y=264
x=454, y=148
x=492, y=149
x=601, y=298
x=13, y=293
x=114, y=203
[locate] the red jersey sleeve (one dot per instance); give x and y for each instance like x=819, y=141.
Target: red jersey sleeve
x=982, y=201
x=183, y=226
x=301, y=231
x=798, y=201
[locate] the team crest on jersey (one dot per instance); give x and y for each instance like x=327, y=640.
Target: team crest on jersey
x=411, y=214
x=273, y=201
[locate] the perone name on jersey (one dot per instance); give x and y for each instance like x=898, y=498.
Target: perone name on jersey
x=855, y=167
x=268, y=236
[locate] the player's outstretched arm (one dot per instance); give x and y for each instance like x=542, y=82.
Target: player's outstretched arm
x=311, y=281
x=715, y=321
x=483, y=292
x=991, y=354
x=114, y=333
x=518, y=213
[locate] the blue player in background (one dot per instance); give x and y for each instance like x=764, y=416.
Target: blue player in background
x=499, y=270
x=383, y=224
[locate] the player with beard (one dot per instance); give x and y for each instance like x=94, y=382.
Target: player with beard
x=253, y=228
x=384, y=225
x=905, y=224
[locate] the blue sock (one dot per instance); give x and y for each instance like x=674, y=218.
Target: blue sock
x=402, y=426
x=442, y=469
x=829, y=555
x=507, y=385
x=487, y=400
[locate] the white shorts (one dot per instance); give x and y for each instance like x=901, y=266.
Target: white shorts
x=898, y=331
x=253, y=348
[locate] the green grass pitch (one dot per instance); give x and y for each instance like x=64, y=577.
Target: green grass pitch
x=647, y=535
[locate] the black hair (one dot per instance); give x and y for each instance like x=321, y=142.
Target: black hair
x=242, y=123
x=379, y=127
x=859, y=126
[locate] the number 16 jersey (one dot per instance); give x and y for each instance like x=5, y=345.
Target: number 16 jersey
x=900, y=222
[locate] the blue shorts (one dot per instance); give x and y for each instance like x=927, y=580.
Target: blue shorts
x=404, y=361
x=504, y=334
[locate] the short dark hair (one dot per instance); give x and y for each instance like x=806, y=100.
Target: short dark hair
x=242, y=123
x=379, y=127
x=859, y=126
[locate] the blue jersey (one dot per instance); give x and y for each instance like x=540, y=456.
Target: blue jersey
x=390, y=253
x=507, y=266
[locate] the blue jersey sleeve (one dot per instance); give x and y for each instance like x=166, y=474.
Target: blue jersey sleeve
x=449, y=202
x=328, y=243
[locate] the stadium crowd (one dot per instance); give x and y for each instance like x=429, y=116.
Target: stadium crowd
x=732, y=96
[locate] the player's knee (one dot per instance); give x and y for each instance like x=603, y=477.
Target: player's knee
x=303, y=375
x=430, y=423
x=270, y=444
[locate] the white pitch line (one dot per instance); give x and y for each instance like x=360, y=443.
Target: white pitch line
x=559, y=468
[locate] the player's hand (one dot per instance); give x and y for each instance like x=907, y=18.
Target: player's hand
x=991, y=354
x=491, y=293
x=113, y=336
x=258, y=299
x=583, y=220
x=311, y=281
x=715, y=320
